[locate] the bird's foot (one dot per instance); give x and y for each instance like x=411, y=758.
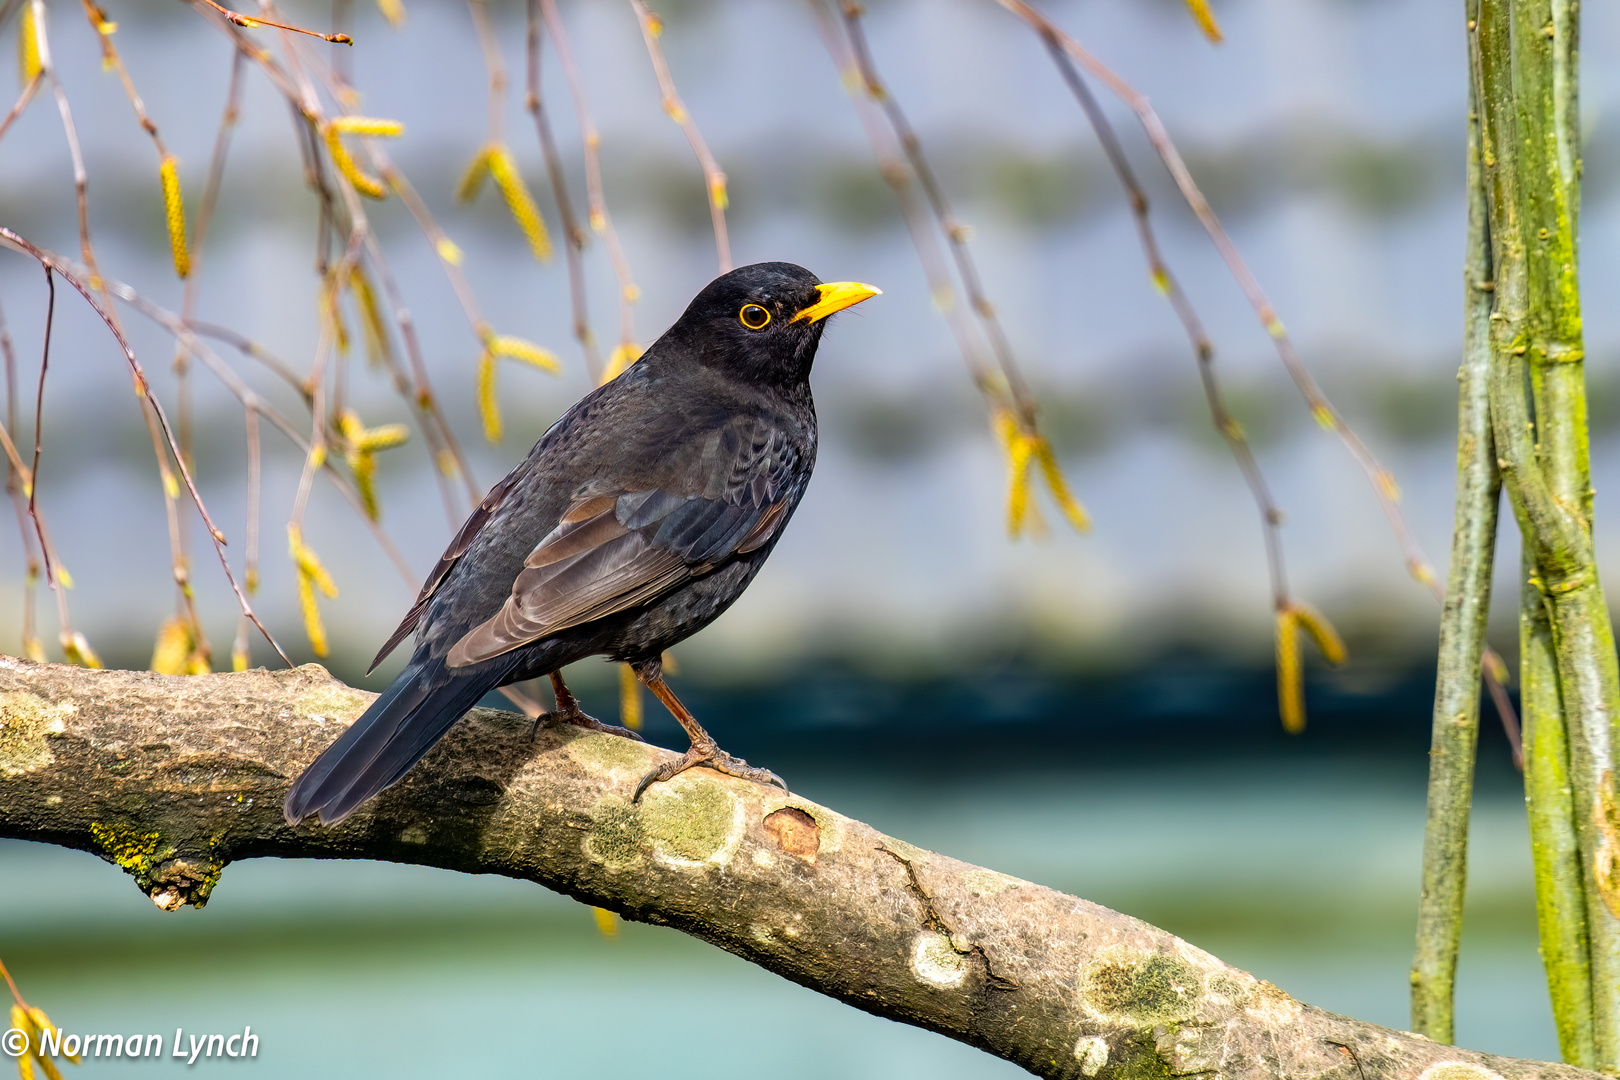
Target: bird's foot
x=578, y=717
x=709, y=756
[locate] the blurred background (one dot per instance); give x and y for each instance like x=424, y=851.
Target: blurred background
x=1096, y=713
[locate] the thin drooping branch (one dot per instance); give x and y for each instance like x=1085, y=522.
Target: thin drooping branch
x=144, y=388
x=173, y=778
x=714, y=179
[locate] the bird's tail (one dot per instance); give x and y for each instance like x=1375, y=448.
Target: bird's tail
x=380, y=747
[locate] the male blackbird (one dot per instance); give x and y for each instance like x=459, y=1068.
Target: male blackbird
x=637, y=518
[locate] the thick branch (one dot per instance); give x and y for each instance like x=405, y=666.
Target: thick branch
x=173, y=778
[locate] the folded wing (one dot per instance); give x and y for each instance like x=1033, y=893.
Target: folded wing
x=610, y=553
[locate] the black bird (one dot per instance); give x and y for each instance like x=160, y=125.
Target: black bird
x=637, y=518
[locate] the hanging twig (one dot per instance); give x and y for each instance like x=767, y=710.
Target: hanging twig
x=252, y=23
x=145, y=390
x=714, y=180
x=573, y=235
x=596, y=202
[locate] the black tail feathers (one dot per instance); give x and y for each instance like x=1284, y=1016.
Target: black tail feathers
x=380, y=747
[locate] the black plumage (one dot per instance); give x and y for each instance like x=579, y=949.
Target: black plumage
x=639, y=517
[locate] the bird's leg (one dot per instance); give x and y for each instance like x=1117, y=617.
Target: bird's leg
x=569, y=712
x=704, y=751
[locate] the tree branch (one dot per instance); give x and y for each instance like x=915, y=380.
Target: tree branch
x=174, y=778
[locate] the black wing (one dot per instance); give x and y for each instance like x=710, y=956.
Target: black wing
x=452, y=554
x=611, y=552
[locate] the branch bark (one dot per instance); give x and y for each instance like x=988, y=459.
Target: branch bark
x=174, y=778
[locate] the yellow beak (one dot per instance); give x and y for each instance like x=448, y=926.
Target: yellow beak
x=836, y=296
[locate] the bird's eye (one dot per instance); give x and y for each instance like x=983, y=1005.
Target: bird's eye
x=754, y=317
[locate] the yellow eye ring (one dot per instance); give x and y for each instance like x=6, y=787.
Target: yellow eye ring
x=754, y=317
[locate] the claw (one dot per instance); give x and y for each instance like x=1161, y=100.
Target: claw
x=577, y=717
x=708, y=756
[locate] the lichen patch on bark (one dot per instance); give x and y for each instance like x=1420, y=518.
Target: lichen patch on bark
x=25, y=720
x=616, y=834
x=334, y=703
x=1458, y=1070
x=692, y=821
x=1143, y=989
x=1092, y=1054
x=618, y=755
x=935, y=960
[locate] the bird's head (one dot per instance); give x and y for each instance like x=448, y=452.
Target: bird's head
x=762, y=322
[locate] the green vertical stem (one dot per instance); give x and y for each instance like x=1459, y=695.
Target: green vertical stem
x=1462, y=640
x=1554, y=846
x=1524, y=61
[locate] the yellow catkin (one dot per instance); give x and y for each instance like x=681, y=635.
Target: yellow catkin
x=518, y=200
x=489, y=411
x=28, y=65
x=76, y=650
x=360, y=461
x=473, y=179
x=313, y=628
x=240, y=658
x=34, y=649
x=180, y=649
x=629, y=698
x=311, y=576
x=364, y=468
x=371, y=320
x=448, y=251
x=527, y=351
x=393, y=11
x=174, y=212
x=332, y=314
x=1290, y=678
x=372, y=126
x=173, y=648
x=364, y=183
x=717, y=192
x=63, y=576
x=308, y=563
x=607, y=923
x=1060, y=489
x=1322, y=635
x=619, y=359
x=384, y=437
x=1206, y=20
x=1018, y=447
x=360, y=445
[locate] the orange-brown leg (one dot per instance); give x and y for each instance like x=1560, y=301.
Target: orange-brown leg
x=704, y=751
x=569, y=712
